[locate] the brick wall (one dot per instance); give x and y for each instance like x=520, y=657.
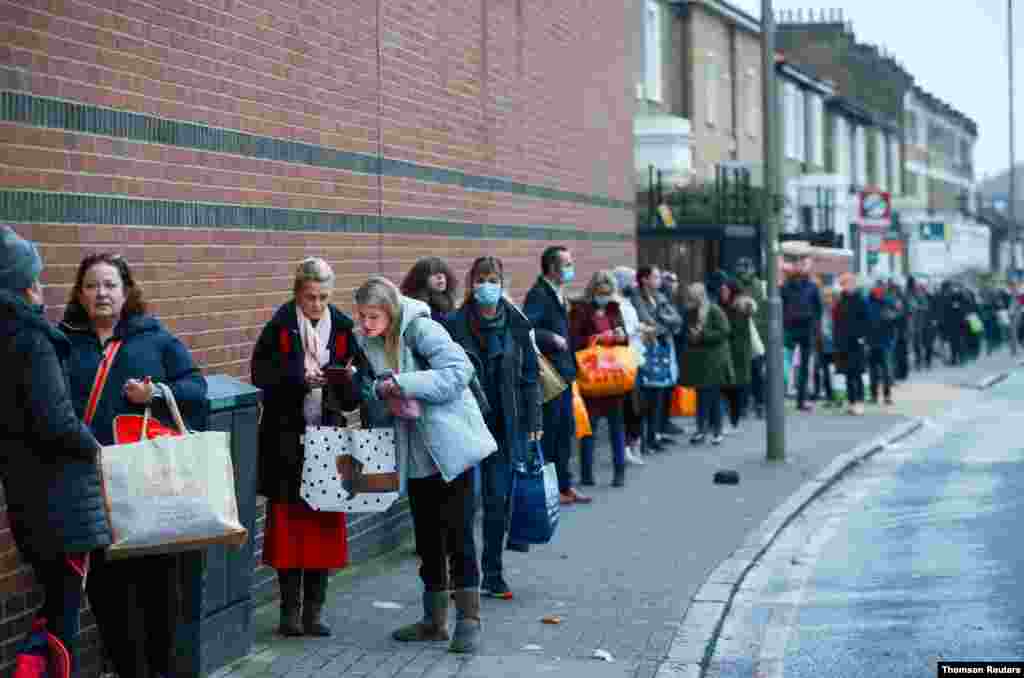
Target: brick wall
x=214, y=144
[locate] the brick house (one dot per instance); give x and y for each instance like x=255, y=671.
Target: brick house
x=215, y=145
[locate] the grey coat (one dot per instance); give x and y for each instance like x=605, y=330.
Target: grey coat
x=660, y=314
x=451, y=433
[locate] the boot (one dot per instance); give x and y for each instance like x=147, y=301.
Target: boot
x=467, y=622
x=619, y=479
x=434, y=625
x=290, y=582
x=315, y=585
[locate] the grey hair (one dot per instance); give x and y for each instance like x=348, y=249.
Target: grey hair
x=313, y=269
x=602, y=277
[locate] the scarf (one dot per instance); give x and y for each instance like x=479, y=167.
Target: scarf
x=489, y=331
x=316, y=352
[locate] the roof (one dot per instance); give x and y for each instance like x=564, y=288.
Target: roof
x=937, y=105
x=724, y=10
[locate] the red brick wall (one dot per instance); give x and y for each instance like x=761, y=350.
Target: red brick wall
x=528, y=91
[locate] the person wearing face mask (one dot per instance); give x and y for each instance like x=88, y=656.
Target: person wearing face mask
x=134, y=600
x=598, y=319
x=48, y=457
x=655, y=310
x=305, y=336
x=497, y=338
x=547, y=308
x=431, y=281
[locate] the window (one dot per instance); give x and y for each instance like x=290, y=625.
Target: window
x=789, y=122
x=881, y=160
x=895, y=168
x=912, y=125
x=711, y=78
x=860, y=164
x=840, y=146
x=799, y=124
x=816, y=152
x=652, y=51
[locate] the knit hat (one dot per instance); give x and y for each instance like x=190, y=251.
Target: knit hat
x=20, y=263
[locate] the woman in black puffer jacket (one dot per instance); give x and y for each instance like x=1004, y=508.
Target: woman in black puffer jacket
x=48, y=457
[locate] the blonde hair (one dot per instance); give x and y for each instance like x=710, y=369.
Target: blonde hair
x=599, y=279
x=697, y=293
x=313, y=269
x=381, y=292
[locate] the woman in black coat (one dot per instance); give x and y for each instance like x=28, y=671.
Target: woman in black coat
x=304, y=337
x=849, y=332
x=48, y=457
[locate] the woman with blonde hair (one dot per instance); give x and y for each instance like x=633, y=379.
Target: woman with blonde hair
x=598, y=319
x=412, y=373
x=708, y=365
x=305, y=336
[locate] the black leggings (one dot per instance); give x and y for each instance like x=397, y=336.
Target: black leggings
x=442, y=519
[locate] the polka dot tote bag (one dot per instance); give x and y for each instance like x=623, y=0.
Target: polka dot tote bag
x=348, y=470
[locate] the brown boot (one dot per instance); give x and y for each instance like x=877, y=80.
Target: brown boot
x=290, y=582
x=466, y=639
x=433, y=626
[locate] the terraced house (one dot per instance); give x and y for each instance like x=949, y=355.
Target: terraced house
x=216, y=144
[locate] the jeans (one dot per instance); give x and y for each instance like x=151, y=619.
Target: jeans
x=135, y=603
x=803, y=341
x=709, y=410
x=618, y=439
x=496, y=487
x=855, y=386
x=62, y=602
x=559, y=433
x=879, y=362
x=441, y=513
x=757, y=382
x=823, y=376
x=736, y=399
x=632, y=414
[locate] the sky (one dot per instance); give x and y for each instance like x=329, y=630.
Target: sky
x=955, y=49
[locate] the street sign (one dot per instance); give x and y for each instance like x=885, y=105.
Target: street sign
x=875, y=209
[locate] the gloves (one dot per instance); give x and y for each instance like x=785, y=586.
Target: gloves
x=388, y=388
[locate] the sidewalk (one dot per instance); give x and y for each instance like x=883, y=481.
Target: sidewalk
x=621, y=572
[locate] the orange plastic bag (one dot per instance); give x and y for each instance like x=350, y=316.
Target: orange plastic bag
x=605, y=371
x=684, y=402
x=579, y=410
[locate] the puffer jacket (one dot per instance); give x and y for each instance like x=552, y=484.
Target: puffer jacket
x=446, y=382
x=48, y=456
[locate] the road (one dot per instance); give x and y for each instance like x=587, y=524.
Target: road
x=911, y=558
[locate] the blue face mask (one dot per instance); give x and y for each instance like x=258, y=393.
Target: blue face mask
x=487, y=294
x=602, y=301
x=568, y=274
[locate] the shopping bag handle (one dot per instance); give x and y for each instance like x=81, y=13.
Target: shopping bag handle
x=172, y=405
x=534, y=461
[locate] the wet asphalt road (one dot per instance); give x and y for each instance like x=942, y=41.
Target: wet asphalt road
x=917, y=555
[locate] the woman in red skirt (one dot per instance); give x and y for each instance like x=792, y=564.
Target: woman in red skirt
x=304, y=337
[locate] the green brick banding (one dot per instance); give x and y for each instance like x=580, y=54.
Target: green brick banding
x=42, y=207
x=58, y=114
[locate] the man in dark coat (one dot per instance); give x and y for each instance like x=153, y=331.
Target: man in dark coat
x=548, y=310
x=801, y=313
x=48, y=457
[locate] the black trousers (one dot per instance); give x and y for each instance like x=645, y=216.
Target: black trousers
x=62, y=603
x=442, y=519
x=136, y=605
x=736, y=398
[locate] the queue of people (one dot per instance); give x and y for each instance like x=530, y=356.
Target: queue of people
x=409, y=349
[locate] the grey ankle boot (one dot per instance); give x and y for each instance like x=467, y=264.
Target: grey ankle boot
x=466, y=639
x=290, y=582
x=433, y=626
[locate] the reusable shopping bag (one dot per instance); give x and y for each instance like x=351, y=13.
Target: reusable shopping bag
x=684, y=402
x=42, y=655
x=605, y=371
x=534, y=500
x=658, y=370
x=349, y=470
x=579, y=411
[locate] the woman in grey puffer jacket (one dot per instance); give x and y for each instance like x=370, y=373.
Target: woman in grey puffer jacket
x=412, y=357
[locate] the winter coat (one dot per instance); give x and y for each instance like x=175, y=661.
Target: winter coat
x=550, y=319
x=583, y=331
x=753, y=287
x=709, y=357
x=147, y=350
x=740, y=339
x=659, y=313
x=850, y=331
x=801, y=307
x=444, y=383
x=48, y=459
x=519, y=387
x=883, y=322
x=278, y=367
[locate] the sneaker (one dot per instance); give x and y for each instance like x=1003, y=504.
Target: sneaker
x=633, y=457
x=495, y=587
x=888, y=400
x=806, y=407
x=717, y=439
x=696, y=438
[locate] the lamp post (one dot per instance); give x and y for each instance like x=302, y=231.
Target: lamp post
x=775, y=393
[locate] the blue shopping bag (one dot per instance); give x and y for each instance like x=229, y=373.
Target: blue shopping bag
x=535, y=507
x=660, y=369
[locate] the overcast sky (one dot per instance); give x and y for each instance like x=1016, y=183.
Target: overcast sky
x=954, y=49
